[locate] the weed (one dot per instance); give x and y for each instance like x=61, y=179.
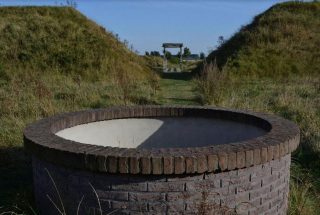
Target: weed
x=303, y=196
x=62, y=210
x=210, y=83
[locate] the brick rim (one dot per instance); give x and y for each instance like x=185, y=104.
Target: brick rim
x=40, y=140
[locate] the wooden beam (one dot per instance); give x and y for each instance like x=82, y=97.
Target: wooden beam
x=172, y=45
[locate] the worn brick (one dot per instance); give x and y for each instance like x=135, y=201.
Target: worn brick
x=203, y=185
x=281, y=149
x=91, y=162
x=185, y=178
x=166, y=186
x=146, y=196
x=257, y=156
x=232, y=161
x=138, y=207
x=157, y=165
x=101, y=162
x=112, y=164
x=202, y=164
x=158, y=207
x=212, y=163
x=134, y=165
x=191, y=165
x=145, y=163
x=113, y=195
x=123, y=165
x=168, y=165
x=119, y=205
x=249, y=158
x=276, y=152
x=223, y=161
x=264, y=155
x=259, y=192
x=242, y=197
x=178, y=206
x=270, y=152
x=180, y=196
x=241, y=159
x=207, y=207
x=130, y=186
x=179, y=165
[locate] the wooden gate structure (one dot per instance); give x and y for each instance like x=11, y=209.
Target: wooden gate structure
x=165, y=60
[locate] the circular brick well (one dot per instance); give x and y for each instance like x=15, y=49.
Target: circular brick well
x=161, y=160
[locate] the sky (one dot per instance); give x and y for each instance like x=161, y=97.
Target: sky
x=146, y=24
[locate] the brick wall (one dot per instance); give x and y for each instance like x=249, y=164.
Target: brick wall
x=259, y=189
x=248, y=177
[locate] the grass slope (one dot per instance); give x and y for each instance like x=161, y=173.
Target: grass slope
x=273, y=65
x=282, y=41
x=53, y=59
x=61, y=39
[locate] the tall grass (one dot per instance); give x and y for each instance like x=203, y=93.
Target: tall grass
x=54, y=59
x=210, y=83
x=303, y=194
x=273, y=66
x=296, y=99
x=46, y=39
x=280, y=42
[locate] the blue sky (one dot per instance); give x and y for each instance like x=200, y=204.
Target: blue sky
x=146, y=24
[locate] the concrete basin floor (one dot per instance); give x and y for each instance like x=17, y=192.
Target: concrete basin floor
x=164, y=132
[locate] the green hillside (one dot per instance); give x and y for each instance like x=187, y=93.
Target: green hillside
x=52, y=60
x=61, y=39
x=283, y=40
x=273, y=65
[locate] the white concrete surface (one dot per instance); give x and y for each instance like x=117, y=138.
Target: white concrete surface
x=161, y=132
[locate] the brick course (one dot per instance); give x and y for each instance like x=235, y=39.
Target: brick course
x=253, y=190
x=40, y=140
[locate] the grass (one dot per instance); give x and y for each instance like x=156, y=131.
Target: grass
x=52, y=60
x=210, y=83
x=296, y=99
x=280, y=42
x=272, y=66
x=26, y=99
x=177, y=89
x=48, y=39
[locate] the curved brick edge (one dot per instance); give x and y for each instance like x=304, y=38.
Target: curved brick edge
x=40, y=140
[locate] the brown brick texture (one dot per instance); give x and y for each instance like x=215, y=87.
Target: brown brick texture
x=261, y=189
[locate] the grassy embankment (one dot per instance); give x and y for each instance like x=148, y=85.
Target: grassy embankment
x=273, y=65
x=53, y=59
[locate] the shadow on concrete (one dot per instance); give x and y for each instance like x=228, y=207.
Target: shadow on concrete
x=199, y=132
